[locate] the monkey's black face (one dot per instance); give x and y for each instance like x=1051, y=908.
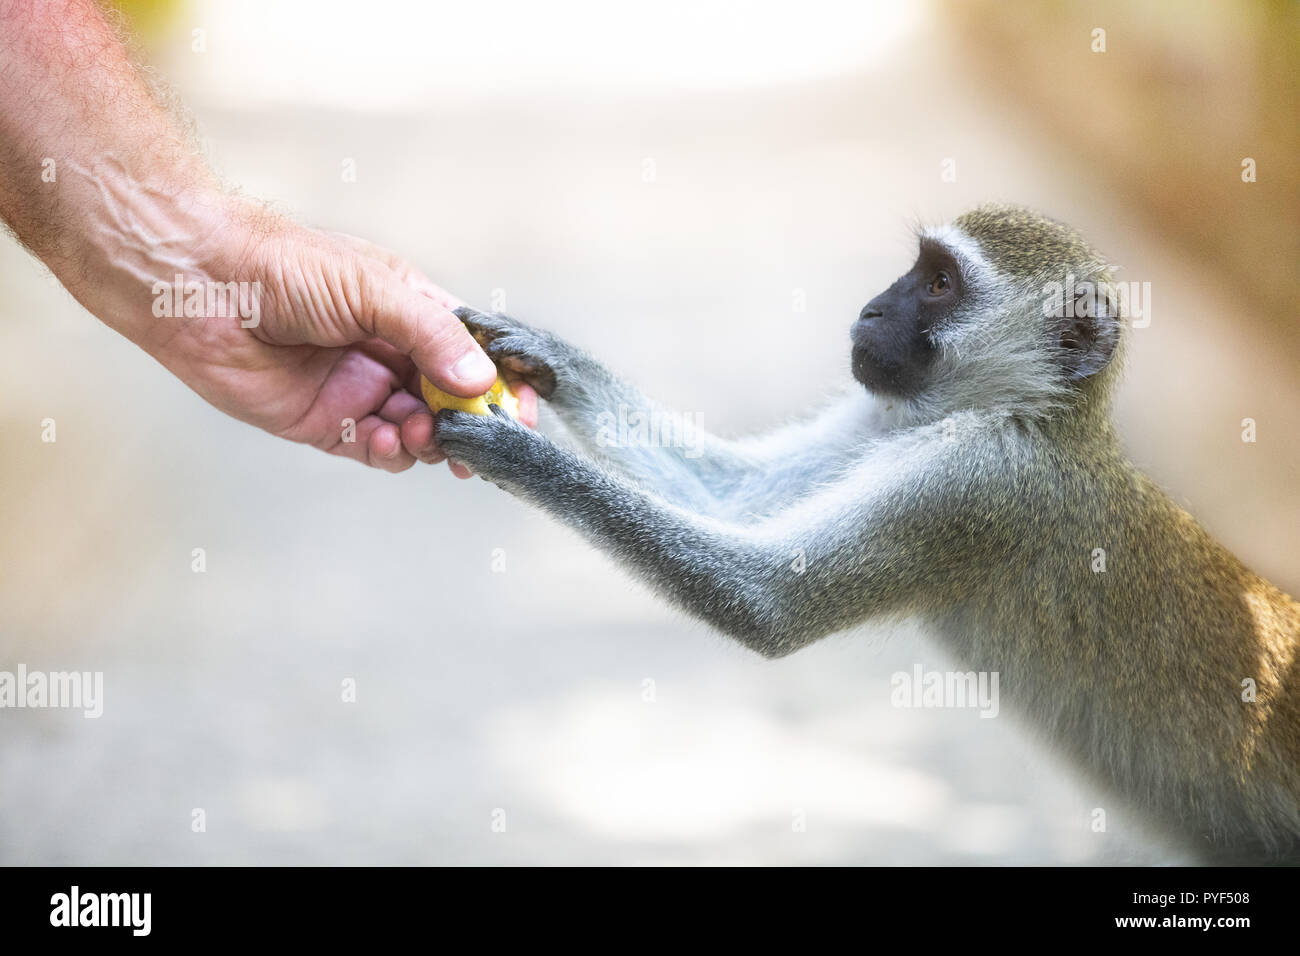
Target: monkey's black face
x=892, y=345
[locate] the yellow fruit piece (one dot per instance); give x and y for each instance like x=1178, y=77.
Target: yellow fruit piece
x=499, y=394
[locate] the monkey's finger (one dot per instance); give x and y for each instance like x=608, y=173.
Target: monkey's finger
x=486, y=326
x=539, y=376
x=472, y=316
x=459, y=469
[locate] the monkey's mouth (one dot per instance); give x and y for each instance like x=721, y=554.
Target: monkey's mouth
x=883, y=378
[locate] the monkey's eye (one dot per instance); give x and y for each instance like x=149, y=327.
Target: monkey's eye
x=939, y=284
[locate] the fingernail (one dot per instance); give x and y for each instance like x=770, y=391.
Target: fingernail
x=473, y=366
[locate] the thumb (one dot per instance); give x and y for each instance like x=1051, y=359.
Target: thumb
x=437, y=341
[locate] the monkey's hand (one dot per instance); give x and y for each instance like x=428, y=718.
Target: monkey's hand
x=496, y=447
x=539, y=358
x=587, y=396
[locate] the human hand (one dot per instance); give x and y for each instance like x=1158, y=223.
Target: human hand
x=330, y=358
x=339, y=334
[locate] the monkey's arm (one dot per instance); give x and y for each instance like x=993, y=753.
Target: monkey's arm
x=871, y=544
x=668, y=452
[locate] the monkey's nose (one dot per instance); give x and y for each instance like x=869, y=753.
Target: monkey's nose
x=864, y=322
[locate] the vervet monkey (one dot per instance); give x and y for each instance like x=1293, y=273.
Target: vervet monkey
x=971, y=484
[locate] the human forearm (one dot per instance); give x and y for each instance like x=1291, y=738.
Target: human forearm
x=96, y=178
x=74, y=112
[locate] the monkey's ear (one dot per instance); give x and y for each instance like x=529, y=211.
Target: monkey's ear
x=1089, y=333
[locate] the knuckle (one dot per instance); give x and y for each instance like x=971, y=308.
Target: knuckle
x=444, y=335
x=363, y=294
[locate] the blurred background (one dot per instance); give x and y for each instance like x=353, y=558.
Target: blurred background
x=703, y=194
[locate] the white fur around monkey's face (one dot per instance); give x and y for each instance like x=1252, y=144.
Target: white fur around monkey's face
x=974, y=325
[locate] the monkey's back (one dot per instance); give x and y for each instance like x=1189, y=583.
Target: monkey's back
x=1126, y=632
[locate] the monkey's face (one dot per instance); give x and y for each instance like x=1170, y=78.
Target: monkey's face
x=893, y=342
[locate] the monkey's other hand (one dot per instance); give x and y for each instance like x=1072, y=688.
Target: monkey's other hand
x=495, y=446
x=526, y=353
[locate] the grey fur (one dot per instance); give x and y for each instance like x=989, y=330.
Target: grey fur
x=976, y=507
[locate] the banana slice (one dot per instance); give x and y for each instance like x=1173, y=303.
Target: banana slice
x=499, y=394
